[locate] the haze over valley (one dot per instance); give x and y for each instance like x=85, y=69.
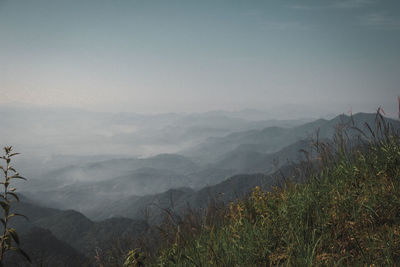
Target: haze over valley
x=135, y=117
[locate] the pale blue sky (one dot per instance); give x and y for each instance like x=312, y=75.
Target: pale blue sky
x=162, y=56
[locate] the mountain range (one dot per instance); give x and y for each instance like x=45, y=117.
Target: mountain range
x=92, y=204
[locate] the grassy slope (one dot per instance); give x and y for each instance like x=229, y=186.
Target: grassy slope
x=347, y=213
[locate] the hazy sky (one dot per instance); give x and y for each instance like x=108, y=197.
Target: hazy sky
x=158, y=56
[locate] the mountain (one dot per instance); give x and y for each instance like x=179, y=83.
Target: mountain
x=106, y=169
x=346, y=214
x=245, y=159
x=73, y=230
x=69, y=226
x=52, y=138
x=44, y=249
x=89, y=188
x=267, y=140
x=179, y=200
x=97, y=204
x=273, y=139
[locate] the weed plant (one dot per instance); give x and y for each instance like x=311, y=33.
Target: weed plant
x=9, y=240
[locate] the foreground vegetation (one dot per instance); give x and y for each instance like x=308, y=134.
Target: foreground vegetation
x=347, y=212
x=9, y=240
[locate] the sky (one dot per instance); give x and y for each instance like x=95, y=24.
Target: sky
x=192, y=56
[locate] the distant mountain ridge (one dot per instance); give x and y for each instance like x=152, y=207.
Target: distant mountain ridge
x=273, y=139
x=254, y=151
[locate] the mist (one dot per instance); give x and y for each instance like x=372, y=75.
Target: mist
x=136, y=117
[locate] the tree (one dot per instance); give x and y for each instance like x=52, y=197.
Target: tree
x=9, y=240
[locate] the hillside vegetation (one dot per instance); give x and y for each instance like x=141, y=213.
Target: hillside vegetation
x=346, y=212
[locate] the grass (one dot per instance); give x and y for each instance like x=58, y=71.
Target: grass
x=346, y=213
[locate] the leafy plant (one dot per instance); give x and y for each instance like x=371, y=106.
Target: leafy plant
x=9, y=240
x=134, y=259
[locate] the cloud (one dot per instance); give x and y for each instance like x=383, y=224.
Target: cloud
x=342, y=4
x=352, y=3
x=285, y=26
x=304, y=7
x=380, y=21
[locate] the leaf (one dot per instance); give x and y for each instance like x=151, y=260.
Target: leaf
x=11, y=169
x=13, y=234
x=16, y=177
x=14, y=154
x=7, y=241
x=5, y=206
x=17, y=214
x=14, y=195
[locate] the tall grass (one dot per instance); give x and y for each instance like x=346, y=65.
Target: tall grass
x=347, y=213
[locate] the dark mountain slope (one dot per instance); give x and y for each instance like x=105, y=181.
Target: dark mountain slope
x=149, y=207
x=74, y=228
x=85, y=235
x=45, y=250
x=69, y=226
